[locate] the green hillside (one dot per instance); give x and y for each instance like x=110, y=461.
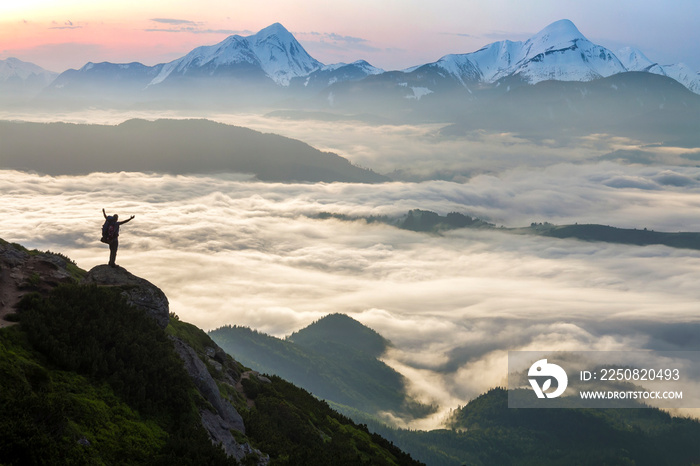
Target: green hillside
x=608, y=234
x=86, y=378
x=166, y=146
x=486, y=432
x=343, y=331
x=335, y=358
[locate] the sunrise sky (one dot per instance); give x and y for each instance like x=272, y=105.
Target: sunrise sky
x=391, y=34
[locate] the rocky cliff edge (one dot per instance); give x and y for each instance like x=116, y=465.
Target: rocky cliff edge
x=206, y=367
x=137, y=291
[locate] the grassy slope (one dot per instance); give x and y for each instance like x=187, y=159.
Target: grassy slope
x=90, y=380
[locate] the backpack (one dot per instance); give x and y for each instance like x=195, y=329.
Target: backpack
x=108, y=230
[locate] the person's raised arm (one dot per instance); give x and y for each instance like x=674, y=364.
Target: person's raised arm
x=127, y=220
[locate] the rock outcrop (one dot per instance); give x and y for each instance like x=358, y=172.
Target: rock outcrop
x=137, y=291
x=220, y=418
x=223, y=418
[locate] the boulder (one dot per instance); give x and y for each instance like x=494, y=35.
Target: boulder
x=137, y=291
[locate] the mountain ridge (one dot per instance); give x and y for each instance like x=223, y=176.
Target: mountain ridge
x=486, y=431
x=274, y=58
x=559, y=52
x=21, y=79
x=426, y=221
x=336, y=358
x=167, y=146
x=274, y=49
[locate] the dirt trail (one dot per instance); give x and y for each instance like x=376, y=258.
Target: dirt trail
x=9, y=296
x=239, y=387
x=22, y=273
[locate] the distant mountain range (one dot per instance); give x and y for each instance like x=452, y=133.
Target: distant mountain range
x=430, y=222
x=20, y=79
x=556, y=85
x=273, y=60
x=559, y=52
x=271, y=65
x=273, y=53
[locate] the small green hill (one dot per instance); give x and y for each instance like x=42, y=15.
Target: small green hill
x=340, y=331
x=427, y=221
x=335, y=358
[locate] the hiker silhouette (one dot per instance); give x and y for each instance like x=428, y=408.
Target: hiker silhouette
x=110, y=234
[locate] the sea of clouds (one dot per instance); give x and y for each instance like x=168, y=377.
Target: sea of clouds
x=227, y=249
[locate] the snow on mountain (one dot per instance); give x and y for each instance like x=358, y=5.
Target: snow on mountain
x=281, y=56
x=361, y=65
x=20, y=80
x=234, y=49
x=562, y=53
x=496, y=59
x=273, y=56
x=15, y=69
x=274, y=50
x=337, y=72
x=102, y=80
x=635, y=60
x=684, y=75
x=121, y=69
x=559, y=52
x=460, y=67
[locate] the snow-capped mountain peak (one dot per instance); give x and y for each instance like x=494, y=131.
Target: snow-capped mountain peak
x=273, y=49
x=635, y=60
x=275, y=32
x=683, y=74
x=367, y=68
x=558, y=35
x=280, y=55
x=13, y=68
x=561, y=52
x=359, y=64
x=273, y=56
x=558, y=52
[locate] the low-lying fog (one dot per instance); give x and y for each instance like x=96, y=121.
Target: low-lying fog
x=230, y=250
